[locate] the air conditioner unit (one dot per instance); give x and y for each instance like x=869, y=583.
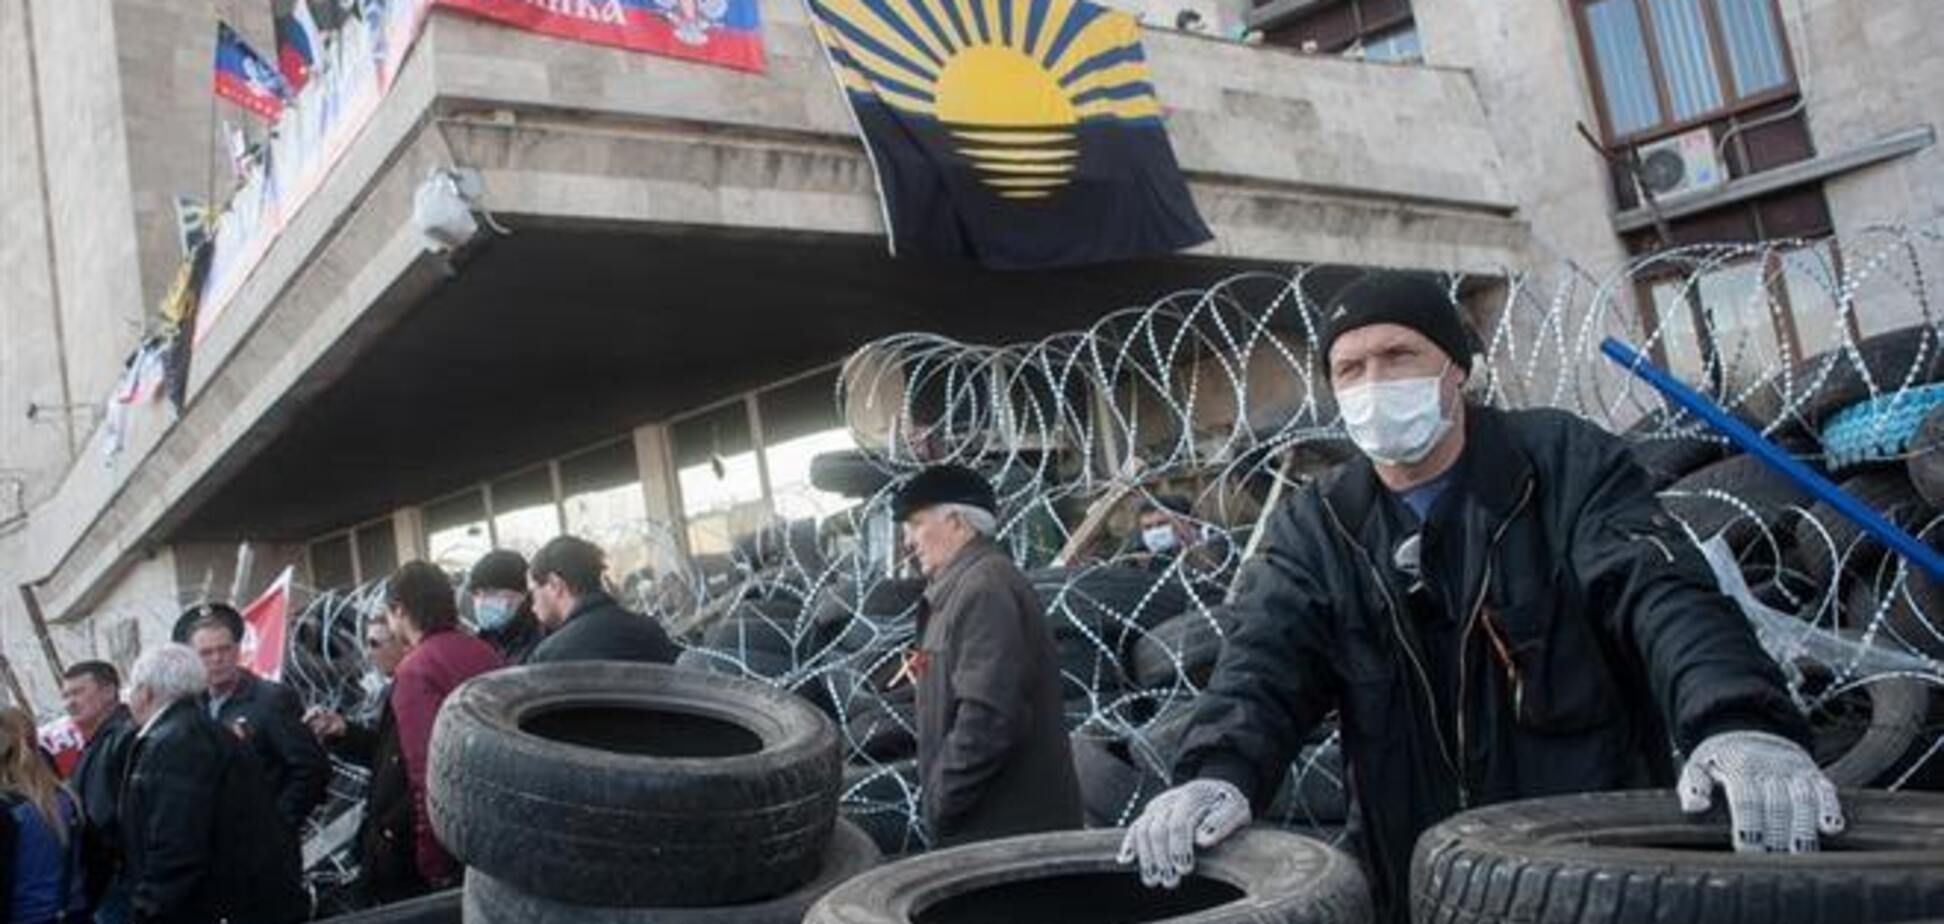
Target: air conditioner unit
x=1681, y=166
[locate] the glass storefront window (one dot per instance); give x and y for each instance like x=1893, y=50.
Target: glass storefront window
x=456, y=534
x=330, y=563
x=720, y=481
x=603, y=503
x=800, y=421
x=524, y=513
x=377, y=550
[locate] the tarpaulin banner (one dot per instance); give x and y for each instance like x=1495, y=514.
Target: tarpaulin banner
x=725, y=32
x=263, y=629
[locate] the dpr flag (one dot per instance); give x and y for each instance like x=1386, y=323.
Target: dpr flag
x=297, y=43
x=243, y=78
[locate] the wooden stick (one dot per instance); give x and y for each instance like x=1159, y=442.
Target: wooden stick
x=40, y=629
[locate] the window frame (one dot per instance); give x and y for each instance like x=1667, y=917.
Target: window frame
x=1772, y=280
x=1723, y=70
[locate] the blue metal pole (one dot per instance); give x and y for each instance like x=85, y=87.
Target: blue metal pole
x=1771, y=455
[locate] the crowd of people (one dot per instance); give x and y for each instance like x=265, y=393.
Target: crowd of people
x=189, y=799
x=1494, y=604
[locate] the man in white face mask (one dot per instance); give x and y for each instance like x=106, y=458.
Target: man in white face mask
x=1497, y=608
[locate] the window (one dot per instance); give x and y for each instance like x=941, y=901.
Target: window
x=1734, y=323
x=800, y=421
x=602, y=502
x=377, y=550
x=354, y=556
x=1659, y=65
x=1397, y=46
x=1381, y=28
x=719, y=478
x=524, y=513
x=456, y=533
x=331, y=566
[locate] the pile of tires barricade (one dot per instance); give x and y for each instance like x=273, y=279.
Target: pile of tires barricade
x=1863, y=652
x=609, y=792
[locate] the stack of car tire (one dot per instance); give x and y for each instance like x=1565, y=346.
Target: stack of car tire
x=1869, y=416
x=606, y=793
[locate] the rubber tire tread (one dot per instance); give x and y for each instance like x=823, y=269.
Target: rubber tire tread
x=1533, y=862
x=437, y=908
x=849, y=854
x=1890, y=357
x=850, y=473
x=1747, y=478
x=1285, y=878
x=1887, y=491
x=882, y=801
x=1190, y=638
x=578, y=823
x=1926, y=461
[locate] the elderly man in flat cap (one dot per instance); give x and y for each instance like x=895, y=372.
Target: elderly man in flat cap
x=993, y=756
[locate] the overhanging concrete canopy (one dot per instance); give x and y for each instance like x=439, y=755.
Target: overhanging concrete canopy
x=593, y=154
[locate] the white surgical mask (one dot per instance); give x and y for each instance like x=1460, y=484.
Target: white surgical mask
x=373, y=683
x=1396, y=422
x=490, y=613
x=1158, y=539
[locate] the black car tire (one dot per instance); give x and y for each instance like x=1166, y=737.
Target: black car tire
x=1769, y=493
x=1259, y=876
x=882, y=801
x=1184, y=647
x=569, y=780
x=437, y=908
x=1926, y=461
x=1633, y=856
x=1831, y=380
x=1824, y=537
x=849, y=854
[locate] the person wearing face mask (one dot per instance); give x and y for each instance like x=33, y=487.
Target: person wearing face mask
x=1170, y=538
x=502, y=610
x=387, y=869
x=1497, y=607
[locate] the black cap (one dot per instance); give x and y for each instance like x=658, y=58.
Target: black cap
x=1400, y=298
x=185, y=624
x=944, y=484
x=500, y=569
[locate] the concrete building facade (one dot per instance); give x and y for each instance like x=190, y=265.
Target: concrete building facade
x=691, y=249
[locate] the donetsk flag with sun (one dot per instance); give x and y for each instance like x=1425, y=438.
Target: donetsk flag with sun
x=1019, y=133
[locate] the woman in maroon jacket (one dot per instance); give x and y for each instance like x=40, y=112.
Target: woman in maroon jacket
x=423, y=610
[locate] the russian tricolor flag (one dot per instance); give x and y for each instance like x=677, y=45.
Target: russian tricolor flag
x=297, y=44
x=243, y=78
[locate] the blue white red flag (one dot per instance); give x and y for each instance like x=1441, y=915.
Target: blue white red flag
x=725, y=32
x=243, y=78
x=298, y=40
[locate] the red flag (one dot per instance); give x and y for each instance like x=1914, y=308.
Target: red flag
x=263, y=629
x=63, y=739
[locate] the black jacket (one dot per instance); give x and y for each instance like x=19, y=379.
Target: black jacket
x=1565, y=629
x=200, y=834
x=600, y=630
x=388, y=872
x=993, y=754
x=97, y=780
x=270, y=717
x=516, y=640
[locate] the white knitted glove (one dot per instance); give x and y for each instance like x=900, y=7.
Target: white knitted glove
x=1777, y=798
x=1199, y=813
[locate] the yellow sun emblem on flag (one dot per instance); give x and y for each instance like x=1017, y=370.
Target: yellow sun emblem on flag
x=1010, y=80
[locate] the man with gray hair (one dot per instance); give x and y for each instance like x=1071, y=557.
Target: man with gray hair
x=993, y=757
x=201, y=837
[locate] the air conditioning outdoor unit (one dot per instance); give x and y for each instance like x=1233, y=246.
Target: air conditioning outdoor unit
x=1681, y=166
